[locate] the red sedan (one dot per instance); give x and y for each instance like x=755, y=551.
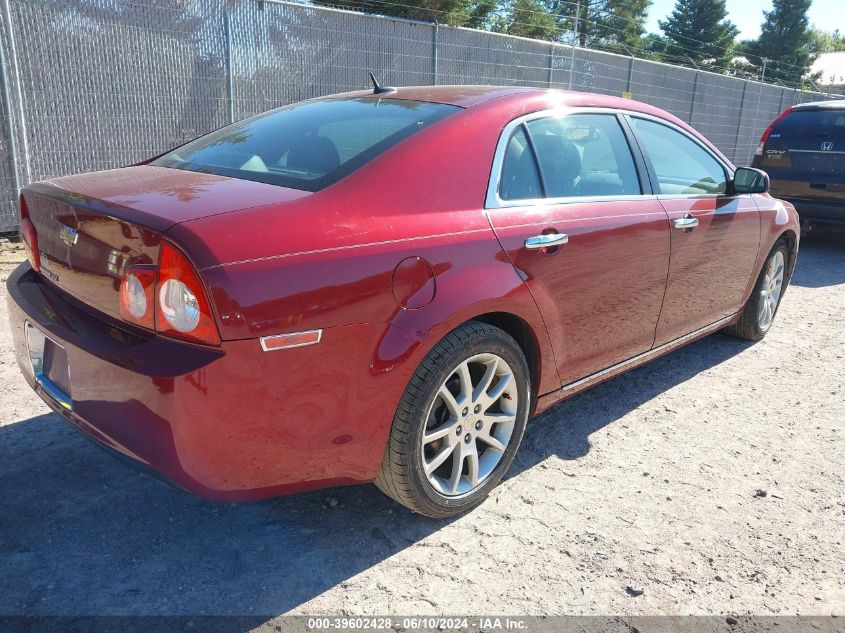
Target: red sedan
x=384, y=286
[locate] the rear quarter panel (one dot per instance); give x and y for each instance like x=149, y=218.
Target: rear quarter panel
x=328, y=261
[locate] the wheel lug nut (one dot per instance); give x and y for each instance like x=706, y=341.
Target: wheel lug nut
x=478, y=425
x=465, y=412
x=467, y=438
x=477, y=408
x=459, y=430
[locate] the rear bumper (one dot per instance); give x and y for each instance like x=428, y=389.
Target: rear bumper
x=821, y=211
x=232, y=423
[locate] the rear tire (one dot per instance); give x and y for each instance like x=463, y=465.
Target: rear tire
x=459, y=423
x=759, y=313
x=806, y=227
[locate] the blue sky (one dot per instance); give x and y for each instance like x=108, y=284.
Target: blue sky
x=748, y=14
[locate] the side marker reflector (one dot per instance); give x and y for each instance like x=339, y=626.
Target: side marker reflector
x=287, y=341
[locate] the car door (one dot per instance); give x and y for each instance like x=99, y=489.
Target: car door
x=566, y=201
x=714, y=235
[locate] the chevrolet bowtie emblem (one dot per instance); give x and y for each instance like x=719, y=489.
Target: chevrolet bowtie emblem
x=68, y=235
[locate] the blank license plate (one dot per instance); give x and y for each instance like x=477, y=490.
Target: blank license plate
x=49, y=365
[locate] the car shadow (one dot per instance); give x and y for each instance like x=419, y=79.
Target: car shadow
x=821, y=258
x=84, y=534
x=81, y=533
x=564, y=430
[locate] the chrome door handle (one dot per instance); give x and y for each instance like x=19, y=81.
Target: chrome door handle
x=686, y=223
x=544, y=241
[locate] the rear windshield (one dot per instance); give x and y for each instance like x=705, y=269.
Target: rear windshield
x=827, y=123
x=308, y=145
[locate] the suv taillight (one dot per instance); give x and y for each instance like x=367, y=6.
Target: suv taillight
x=169, y=299
x=30, y=238
x=768, y=131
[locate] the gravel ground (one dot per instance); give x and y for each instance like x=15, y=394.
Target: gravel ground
x=710, y=480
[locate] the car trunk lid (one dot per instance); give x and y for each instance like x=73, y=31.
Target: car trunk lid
x=90, y=227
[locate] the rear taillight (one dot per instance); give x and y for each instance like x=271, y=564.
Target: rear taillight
x=30, y=238
x=137, y=296
x=183, y=308
x=170, y=299
x=768, y=131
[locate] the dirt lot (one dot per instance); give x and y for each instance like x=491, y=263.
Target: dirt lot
x=710, y=480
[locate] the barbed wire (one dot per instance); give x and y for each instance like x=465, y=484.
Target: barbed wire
x=603, y=25
x=541, y=55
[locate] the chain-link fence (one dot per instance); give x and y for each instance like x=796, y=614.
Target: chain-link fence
x=96, y=84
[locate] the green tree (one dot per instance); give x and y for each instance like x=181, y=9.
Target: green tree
x=623, y=22
x=698, y=33
x=651, y=45
x=601, y=23
x=819, y=41
x=475, y=15
x=785, y=40
x=469, y=13
x=527, y=18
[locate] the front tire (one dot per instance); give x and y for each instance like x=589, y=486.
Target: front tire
x=459, y=423
x=759, y=313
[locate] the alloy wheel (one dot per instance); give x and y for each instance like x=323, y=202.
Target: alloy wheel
x=469, y=424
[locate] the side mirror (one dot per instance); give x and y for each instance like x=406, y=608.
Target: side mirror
x=749, y=180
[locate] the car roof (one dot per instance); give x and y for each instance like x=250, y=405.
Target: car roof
x=470, y=96
x=834, y=104
x=518, y=100
x=462, y=96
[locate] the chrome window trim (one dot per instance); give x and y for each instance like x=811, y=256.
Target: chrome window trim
x=816, y=151
x=535, y=202
x=493, y=201
x=703, y=196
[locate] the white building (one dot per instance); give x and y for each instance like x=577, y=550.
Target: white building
x=832, y=68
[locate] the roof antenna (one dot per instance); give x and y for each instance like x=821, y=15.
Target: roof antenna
x=378, y=90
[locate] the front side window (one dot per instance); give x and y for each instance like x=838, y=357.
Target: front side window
x=308, y=145
x=681, y=165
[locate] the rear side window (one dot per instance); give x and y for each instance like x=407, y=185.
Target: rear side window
x=308, y=145
x=520, y=180
x=584, y=155
x=812, y=123
x=580, y=155
x=681, y=165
